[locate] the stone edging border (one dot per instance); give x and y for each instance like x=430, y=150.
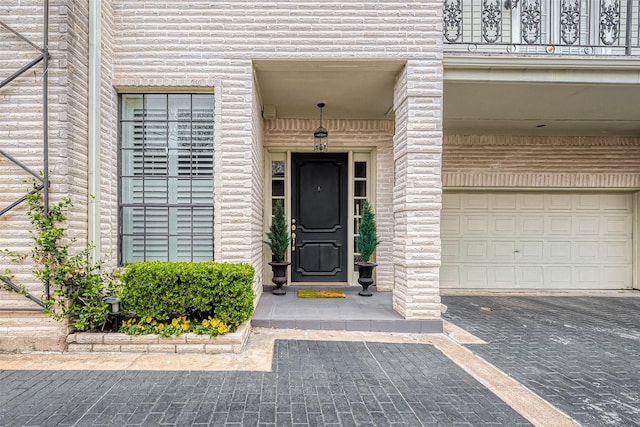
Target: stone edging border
x=106, y=342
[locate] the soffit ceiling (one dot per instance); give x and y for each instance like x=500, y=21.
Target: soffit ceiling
x=350, y=89
x=508, y=108
x=364, y=90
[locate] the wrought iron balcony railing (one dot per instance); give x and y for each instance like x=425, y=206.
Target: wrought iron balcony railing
x=574, y=27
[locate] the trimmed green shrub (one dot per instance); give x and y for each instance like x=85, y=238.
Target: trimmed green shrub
x=164, y=290
x=367, y=240
x=278, y=234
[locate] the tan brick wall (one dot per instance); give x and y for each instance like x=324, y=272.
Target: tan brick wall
x=548, y=162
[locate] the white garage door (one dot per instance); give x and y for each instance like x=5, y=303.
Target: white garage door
x=556, y=240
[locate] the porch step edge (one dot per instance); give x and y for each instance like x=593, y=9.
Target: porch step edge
x=425, y=326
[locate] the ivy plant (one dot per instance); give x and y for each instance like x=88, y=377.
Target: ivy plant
x=78, y=287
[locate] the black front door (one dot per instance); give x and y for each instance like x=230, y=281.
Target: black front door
x=319, y=214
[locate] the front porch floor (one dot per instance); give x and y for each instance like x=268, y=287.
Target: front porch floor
x=353, y=313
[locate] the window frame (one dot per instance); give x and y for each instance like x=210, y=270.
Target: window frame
x=167, y=177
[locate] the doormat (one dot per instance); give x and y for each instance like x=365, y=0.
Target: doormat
x=321, y=293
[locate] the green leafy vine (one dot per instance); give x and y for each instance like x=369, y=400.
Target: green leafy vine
x=78, y=287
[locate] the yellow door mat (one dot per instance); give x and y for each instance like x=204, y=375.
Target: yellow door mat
x=321, y=293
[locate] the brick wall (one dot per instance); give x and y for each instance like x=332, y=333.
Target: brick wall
x=526, y=161
x=257, y=204
x=417, y=190
x=183, y=44
x=108, y=143
x=21, y=119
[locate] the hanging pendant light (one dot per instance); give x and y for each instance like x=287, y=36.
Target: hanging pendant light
x=321, y=135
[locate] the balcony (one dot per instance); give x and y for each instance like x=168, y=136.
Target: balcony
x=542, y=27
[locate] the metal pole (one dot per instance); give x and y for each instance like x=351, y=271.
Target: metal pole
x=45, y=118
x=629, y=25
x=93, y=164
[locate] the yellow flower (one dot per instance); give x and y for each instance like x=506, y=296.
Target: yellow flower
x=205, y=323
x=161, y=326
x=175, y=322
x=154, y=323
x=185, y=326
x=149, y=319
x=221, y=329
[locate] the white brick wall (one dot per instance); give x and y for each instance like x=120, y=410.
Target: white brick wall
x=526, y=161
x=21, y=119
x=417, y=191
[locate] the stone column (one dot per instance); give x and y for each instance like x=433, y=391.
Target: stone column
x=418, y=189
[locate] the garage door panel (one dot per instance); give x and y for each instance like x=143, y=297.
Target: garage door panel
x=558, y=276
x=587, y=225
x=503, y=251
x=617, y=225
x=586, y=251
x=558, y=251
x=502, y=276
x=620, y=276
x=450, y=276
x=587, y=202
x=474, y=276
x=531, y=225
x=559, y=240
x=505, y=201
x=587, y=277
x=616, y=202
x=557, y=202
x=558, y=225
x=452, y=201
x=503, y=225
x=531, y=251
x=476, y=201
x=474, y=250
x=450, y=226
x=530, y=276
x=475, y=225
x=616, y=251
x=450, y=250
x=531, y=201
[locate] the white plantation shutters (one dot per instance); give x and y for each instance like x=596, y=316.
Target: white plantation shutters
x=166, y=177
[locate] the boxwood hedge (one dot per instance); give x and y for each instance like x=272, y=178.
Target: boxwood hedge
x=164, y=290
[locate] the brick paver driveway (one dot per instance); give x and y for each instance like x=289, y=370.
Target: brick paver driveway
x=313, y=383
x=582, y=354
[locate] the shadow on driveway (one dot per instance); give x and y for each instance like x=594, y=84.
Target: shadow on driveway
x=581, y=354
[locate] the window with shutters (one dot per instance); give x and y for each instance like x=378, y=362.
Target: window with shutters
x=166, y=177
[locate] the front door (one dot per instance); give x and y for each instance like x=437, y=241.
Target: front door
x=319, y=217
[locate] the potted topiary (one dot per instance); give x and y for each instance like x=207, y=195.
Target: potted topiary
x=367, y=242
x=278, y=243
